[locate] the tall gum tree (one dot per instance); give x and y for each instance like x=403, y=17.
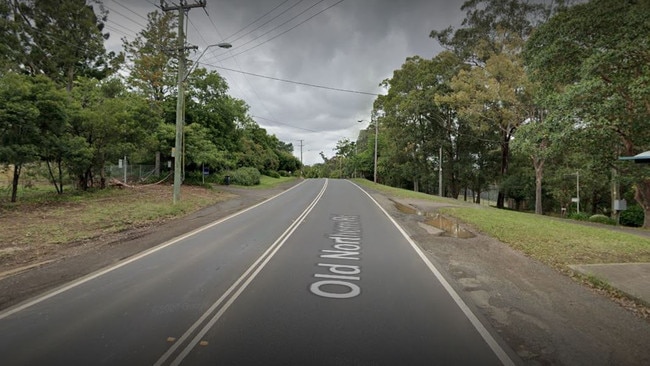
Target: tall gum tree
x=596, y=57
x=492, y=30
x=494, y=96
x=62, y=39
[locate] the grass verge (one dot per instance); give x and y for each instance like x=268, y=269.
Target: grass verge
x=404, y=193
x=43, y=219
x=553, y=241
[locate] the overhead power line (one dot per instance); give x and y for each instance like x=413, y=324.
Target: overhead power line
x=286, y=124
x=265, y=23
x=125, y=16
x=281, y=33
x=295, y=82
x=129, y=9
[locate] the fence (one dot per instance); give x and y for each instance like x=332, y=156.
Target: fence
x=134, y=173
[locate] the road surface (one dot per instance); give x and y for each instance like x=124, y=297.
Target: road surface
x=318, y=275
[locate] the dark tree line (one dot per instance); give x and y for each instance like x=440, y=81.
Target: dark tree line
x=66, y=104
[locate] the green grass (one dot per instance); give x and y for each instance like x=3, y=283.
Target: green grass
x=553, y=241
x=404, y=193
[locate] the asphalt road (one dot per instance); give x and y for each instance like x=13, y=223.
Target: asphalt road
x=319, y=275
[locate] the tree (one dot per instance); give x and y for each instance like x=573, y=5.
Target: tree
x=151, y=65
x=494, y=97
x=29, y=108
x=418, y=126
x=596, y=57
x=108, y=122
x=61, y=39
x=494, y=93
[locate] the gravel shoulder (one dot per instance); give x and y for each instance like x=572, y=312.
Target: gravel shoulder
x=543, y=315
x=546, y=317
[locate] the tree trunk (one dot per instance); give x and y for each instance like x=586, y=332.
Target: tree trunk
x=642, y=196
x=14, y=183
x=539, y=174
x=58, y=163
x=157, y=167
x=58, y=184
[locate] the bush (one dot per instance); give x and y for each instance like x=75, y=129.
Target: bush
x=633, y=216
x=272, y=174
x=244, y=176
x=579, y=216
x=197, y=178
x=602, y=219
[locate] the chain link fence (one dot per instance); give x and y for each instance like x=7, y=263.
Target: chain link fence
x=134, y=173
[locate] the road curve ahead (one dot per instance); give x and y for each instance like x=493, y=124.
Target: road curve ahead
x=319, y=275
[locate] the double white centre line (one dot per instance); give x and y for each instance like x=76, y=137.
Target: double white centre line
x=212, y=315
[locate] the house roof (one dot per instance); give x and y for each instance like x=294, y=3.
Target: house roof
x=642, y=158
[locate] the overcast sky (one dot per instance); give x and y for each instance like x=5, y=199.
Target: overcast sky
x=351, y=44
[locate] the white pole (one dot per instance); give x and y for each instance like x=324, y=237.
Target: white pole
x=124, y=169
x=376, y=132
x=440, y=175
x=578, y=190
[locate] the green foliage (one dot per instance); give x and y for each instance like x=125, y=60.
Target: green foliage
x=592, y=60
x=582, y=216
x=272, y=174
x=244, y=176
x=78, y=48
x=633, y=216
x=602, y=219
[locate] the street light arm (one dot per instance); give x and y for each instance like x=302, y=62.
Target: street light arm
x=225, y=45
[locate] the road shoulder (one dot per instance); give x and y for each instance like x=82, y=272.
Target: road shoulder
x=542, y=314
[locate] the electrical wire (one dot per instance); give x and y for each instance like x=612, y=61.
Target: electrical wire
x=272, y=19
x=284, y=32
x=260, y=100
x=295, y=82
x=286, y=124
x=125, y=16
x=127, y=8
x=276, y=27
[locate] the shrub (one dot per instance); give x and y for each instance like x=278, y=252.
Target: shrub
x=272, y=174
x=602, y=219
x=244, y=176
x=197, y=179
x=633, y=216
x=579, y=216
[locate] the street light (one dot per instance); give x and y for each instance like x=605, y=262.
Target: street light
x=376, y=133
x=180, y=106
x=224, y=45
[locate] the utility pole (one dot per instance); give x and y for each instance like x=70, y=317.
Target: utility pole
x=301, y=158
x=180, y=113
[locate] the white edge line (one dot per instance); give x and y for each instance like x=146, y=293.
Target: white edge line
x=20, y=307
x=277, y=244
x=489, y=339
